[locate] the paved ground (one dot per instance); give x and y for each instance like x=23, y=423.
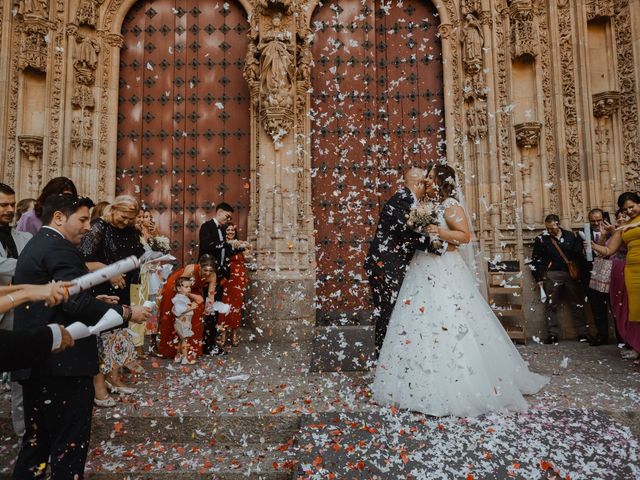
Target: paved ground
x=259, y=413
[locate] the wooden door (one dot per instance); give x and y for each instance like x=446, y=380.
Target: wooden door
x=183, y=117
x=377, y=109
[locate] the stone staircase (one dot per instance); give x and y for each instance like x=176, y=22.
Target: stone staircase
x=227, y=417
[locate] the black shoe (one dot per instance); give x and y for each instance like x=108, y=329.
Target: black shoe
x=598, y=341
x=217, y=351
x=585, y=338
x=551, y=340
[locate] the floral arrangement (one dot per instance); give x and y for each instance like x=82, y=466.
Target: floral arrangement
x=422, y=215
x=160, y=244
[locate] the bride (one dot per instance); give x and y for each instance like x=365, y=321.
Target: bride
x=445, y=352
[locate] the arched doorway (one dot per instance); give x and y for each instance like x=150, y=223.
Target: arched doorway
x=183, y=116
x=377, y=108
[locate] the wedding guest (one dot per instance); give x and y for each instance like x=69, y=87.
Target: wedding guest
x=11, y=244
x=233, y=290
x=112, y=238
x=147, y=227
x=204, y=276
x=629, y=235
x=98, y=211
x=629, y=331
x=27, y=348
x=552, y=251
x=212, y=241
x=24, y=206
x=598, y=301
x=30, y=221
x=58, y=392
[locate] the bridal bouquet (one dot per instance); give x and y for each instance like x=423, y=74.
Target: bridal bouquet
x=160, y=244
x=422, y=215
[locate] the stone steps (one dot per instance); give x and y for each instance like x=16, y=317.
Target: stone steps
x=178, y=460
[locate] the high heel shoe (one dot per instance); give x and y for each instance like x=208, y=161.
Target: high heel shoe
x=104, y=402
x=235, y=338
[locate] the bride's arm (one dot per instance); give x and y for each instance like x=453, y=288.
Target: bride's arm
x=458, y=232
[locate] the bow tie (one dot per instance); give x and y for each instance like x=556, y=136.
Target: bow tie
x=5, y=229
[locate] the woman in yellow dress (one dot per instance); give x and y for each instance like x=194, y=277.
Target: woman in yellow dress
x=629, y=234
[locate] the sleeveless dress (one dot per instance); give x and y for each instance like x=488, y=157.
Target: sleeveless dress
x=631, y=238
x=445, y=352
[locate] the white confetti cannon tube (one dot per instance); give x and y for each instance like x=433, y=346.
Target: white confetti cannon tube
x=587, y=237
x=104, y=274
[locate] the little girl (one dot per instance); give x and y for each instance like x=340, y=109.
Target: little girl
x=183, y=307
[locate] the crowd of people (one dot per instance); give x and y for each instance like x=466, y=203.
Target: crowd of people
x=163, y=309
x=600, y=263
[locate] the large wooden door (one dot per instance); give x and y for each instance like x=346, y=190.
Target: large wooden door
x=183, y=118
x=377, y=109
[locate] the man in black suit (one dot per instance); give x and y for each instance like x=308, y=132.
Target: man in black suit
x=58, y=392
x=551, y=272
x=392, y=248
x=213, y=241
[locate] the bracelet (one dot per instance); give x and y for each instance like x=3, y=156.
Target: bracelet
x=126, y=313
x=13, y=300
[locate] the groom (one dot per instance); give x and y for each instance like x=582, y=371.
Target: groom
x=392, y=248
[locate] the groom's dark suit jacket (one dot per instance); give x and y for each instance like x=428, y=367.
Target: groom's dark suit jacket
x=394, y=243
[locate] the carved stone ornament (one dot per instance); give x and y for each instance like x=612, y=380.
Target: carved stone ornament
x=37, y=8
x=82, y=131
x=605, y=104
x=477, y=120
x=85, y=60
x=528, y=134
x=31, y=147
x=473, y=7
x=599, y=9
x=472, y=43
x=271, y=68
x=34, y=44
x=524, y=33
x=88, y=12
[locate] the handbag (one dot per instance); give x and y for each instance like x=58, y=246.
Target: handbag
x=574, y=270
x=601, y=274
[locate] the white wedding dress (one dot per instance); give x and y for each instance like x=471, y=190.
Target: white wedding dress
x=445, y=352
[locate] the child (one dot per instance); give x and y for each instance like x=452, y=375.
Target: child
x=183, y=308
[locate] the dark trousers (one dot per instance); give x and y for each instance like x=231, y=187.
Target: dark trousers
x=210, y=323
x=57, y=413
x=559, y=286
x=599, y=303
x=384, y=290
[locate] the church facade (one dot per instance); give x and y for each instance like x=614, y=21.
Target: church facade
x=303, y=116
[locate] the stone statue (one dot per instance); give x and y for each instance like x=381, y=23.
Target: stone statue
x=276, y=64
x=473, y=44
x=85, y=60
x=39, y=8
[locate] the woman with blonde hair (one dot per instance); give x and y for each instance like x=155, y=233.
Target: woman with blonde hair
x=112, y=238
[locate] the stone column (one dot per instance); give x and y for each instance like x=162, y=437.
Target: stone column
x=527, y=136
x=605, y=105
x=277, y=69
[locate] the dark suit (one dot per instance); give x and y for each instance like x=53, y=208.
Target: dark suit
x=58, y=391
x=389, y=255
x=25, y=348
x=212, y=239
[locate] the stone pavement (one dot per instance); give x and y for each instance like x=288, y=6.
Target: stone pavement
x=260, y=413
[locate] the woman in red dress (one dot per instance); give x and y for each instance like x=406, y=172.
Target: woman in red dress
x=233, y=293
x=203, y=274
